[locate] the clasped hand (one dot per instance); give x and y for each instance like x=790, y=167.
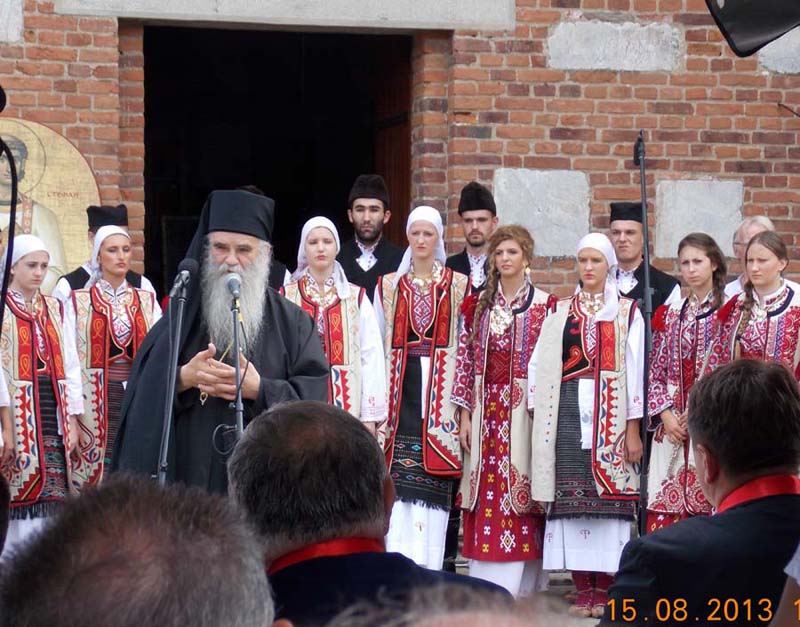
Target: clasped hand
x=216, y=378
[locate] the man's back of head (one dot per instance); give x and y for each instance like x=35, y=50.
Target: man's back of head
x=747, y=415
x=131, y=554
x=306, y=472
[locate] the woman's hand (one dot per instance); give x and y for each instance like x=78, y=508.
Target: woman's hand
x=633, y=442
x=7, y=449
x=674, y=428
x=465, y=429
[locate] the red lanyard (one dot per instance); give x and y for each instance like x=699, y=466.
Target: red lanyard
x=331, y=548
x=771, y=485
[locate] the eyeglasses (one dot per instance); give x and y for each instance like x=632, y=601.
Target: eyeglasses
x=739, y=244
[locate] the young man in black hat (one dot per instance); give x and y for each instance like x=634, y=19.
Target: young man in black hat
x=281, y=355
x=626, y=233
x=368, y=255
x=104, y=215
x=478, y=215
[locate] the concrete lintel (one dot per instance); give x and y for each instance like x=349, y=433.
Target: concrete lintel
x=359, y=14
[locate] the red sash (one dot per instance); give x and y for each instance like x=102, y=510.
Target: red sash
x=771, y=485
x=331, y=548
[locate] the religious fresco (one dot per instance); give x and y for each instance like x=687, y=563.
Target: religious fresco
x=56, y=185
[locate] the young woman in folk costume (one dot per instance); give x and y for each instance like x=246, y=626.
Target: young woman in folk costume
x=503, y=526
x=346, y=324
x=682, y=335
x=41, y=369
x=418, y=308
x=585, y=390
x=111, y=319
x=763, y=322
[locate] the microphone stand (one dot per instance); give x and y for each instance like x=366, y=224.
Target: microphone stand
x=172, y=378
x=12, y=219
x=647, y=314
x=237, y=403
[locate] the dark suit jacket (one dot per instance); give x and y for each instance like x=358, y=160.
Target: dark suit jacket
x=460, y=263
x=277, y=273
x=387, y=254
x=310, y=593
x=739, y=554
x=661, y=282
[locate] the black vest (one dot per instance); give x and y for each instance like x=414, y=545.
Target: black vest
x=460, y=263
x=387, y=254
x=277, y=273
x=661, y=283
x=78, y=279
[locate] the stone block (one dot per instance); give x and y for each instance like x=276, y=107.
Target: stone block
x=10, y=21
x=552, y=204
x=708, y=206
x=782, y=55
x=595, y=45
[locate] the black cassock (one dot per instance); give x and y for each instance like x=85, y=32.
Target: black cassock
x=292, y=366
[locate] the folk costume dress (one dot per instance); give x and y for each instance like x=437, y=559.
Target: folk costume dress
x=503, y=526
x=683, y=334
x=772, y=332
x=42, y=374
x=423, y=453
x=584, y=384
x=348, y=330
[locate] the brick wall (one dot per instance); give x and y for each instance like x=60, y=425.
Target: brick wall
x=716, y=116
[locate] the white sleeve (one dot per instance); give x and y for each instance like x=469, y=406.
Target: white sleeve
x=532, y=376
x=287, y=277
x=5, y=399
x=61, y=291
x=157, y=313
x=373, y=367
x=674, y=297
x=379, y=312
x=72, y=365
x=147, y=286
x=634, y=367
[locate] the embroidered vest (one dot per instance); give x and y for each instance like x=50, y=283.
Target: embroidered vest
x=340, y=341
x=614, y=477
x=525, y=330
x=441, y=449
x=97, y=347
x=26, y=475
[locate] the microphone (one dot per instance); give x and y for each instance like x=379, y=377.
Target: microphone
x=234, y=283
x=186, y=269
x=638, y=149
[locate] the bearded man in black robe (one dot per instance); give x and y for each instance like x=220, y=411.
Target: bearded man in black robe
x=282, y=356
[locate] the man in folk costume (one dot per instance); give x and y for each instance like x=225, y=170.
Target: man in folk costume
x=478, y=215
x=625, y=232
x=281, y=359
x=41, y=370
x=503, y=526
x=585, y=390
x=111, y=318
x=369, y=254
x=418, y=308
x=79, y=278
x=345, y=321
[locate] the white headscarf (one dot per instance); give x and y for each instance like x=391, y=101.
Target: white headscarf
x=103, y=233
x=427, y=214
x=601, y=243
x=339, y=277
x=26, y=244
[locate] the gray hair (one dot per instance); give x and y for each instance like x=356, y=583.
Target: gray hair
x=759, y=220
x=132, y=554
x=307, y=472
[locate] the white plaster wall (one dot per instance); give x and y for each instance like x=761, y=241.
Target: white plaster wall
x=708, y=206
x=552, y=204
x=782, y=55
x=368, y=14
x=595, y=45
x=10, y=20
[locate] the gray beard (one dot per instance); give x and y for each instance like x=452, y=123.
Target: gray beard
x=216, y=303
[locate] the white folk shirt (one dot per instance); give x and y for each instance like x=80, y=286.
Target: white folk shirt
x=626, y=282
x=367, y=258
x=477, y=269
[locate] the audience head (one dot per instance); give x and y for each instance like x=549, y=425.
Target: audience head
x=132, y=554
x=744, y=421
x=702, y=265
x=306, y=472
x=744, y=233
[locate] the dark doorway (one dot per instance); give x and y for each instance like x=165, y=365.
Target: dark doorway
x=300, y=115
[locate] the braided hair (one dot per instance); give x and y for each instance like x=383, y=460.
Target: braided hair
x=521, y=236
